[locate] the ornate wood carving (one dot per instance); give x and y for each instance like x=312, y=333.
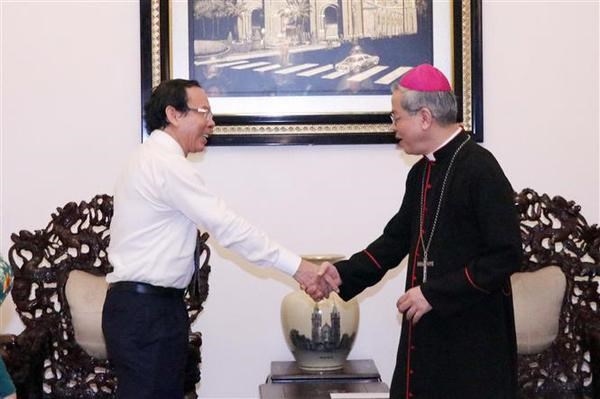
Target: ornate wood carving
x=555, y=233
x=45, y=360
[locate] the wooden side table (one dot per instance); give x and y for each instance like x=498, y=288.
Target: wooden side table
x=321, y=390
x=287, y=381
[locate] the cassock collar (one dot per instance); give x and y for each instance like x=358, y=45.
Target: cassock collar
x=447, y=149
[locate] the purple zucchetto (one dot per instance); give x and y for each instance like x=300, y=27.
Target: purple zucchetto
x=425, y=77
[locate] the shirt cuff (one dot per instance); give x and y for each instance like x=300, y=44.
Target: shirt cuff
x=288, y=262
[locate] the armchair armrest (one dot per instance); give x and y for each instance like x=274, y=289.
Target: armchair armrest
x=593, y=336
x=24, y=356
x=592, y=340
x=192, y=371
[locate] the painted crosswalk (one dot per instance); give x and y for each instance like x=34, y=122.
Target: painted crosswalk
x=295, y=68
x=381, y=74
x=359, y=77
x=316, y=71
x=228, y=64
x=250, y=65
x=392, y=76
x=268, y=68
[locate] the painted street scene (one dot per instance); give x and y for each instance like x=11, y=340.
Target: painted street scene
x=306, y=47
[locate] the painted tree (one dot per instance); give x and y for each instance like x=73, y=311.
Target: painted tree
x=202, y=12
x=296, y=14
x=213, y=14
x=235, y=10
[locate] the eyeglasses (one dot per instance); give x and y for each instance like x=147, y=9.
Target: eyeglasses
x=394, y=118
x=206, y=112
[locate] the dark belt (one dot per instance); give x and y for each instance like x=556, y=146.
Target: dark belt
x=145, y=288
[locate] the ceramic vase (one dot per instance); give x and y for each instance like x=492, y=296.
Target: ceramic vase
x=319, y=334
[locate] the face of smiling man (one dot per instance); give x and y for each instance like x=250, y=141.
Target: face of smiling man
x=410, y=128
x=191, y=129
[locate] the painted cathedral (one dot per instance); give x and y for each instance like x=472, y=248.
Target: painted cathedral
x=329, y=334
x=325, y=336
x=315, y=21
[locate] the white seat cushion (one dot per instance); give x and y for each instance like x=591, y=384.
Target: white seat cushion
x=85, y=294
x=537, y=298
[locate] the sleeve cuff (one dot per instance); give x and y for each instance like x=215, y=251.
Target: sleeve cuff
x=288, y=262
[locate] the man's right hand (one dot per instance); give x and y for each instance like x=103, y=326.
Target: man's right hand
x=329, y=273
x=317, y=281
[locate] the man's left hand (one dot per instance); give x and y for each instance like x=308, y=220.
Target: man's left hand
x=413, y=304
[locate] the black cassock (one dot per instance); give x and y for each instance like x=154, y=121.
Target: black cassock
x=465, y=347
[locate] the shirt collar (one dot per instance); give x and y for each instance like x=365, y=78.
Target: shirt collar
x=430, y=156
x=164, y=140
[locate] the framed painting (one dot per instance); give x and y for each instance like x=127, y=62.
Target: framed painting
x=310, y=71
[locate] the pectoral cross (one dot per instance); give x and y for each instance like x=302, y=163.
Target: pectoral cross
x=425, y=264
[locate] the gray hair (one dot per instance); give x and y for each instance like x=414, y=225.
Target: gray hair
x=442, y=104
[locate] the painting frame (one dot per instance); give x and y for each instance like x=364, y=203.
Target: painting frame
x=306, y=129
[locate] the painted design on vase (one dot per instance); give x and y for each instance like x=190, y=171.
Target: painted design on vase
x=319, y=334
x=325, y=337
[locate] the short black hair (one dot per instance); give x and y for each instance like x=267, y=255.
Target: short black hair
x=169, y=92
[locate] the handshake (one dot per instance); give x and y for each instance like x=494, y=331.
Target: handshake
x=318, y=281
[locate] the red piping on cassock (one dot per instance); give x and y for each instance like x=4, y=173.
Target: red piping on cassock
x=414, y=271
x=372, y=258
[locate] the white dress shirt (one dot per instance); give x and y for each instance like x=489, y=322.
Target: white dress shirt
x=160, y=201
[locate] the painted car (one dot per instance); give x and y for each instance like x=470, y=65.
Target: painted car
x=357, y=62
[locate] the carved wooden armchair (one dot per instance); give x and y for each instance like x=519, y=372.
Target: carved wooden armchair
x=555, y=233
x=46, y=359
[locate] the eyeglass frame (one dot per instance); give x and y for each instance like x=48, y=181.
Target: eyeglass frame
x=208, y=115
x=395, y=118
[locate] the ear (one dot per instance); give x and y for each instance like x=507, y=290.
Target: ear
x=173, y=115
x=426, y=118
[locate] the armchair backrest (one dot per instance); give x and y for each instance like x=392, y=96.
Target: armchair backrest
x=554, y=233
x=75, y=239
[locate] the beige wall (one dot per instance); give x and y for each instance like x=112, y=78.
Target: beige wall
x=70, y=115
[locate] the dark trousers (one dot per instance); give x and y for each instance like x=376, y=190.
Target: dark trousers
x=147, y=343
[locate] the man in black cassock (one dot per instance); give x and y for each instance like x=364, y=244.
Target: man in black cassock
x=459, y=226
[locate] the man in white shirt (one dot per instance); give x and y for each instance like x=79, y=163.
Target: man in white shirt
x=160, y=201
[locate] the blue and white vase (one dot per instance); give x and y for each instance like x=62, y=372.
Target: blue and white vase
x=6, y=279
